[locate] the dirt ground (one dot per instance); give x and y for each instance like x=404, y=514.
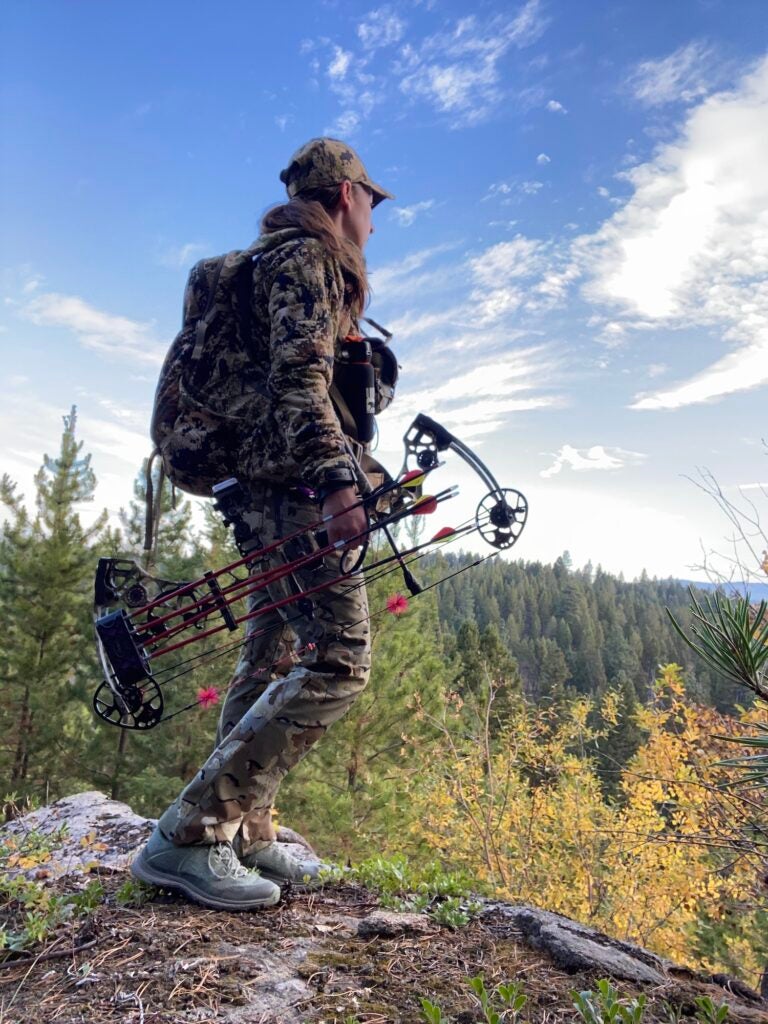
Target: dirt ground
x=301, y=961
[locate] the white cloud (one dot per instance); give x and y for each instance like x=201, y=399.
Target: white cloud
x=102, y=332
x=597, y=457
x=499, y=273
x=478, y=401
x=345, y=124
x=657, y=369
x=683, y=76
x=458, y=72
x=689, y=249
x=518, y=258
x=396, y=281
x=742, y=370
x=543, y=159
x=406, y=215
x=512, y=191
x=663, y=539
x=339, y=66
x=116, y=436
x=381, y=27
x=411, y=324
x=180, y=256
x=555, y=107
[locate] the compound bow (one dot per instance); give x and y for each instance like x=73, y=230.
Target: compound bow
x=157, y=617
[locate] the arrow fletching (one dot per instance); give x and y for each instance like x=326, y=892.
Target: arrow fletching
x=414, y=478
x=444, y=534
x=424, y=506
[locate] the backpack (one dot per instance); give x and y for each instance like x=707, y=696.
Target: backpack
x=209, y=379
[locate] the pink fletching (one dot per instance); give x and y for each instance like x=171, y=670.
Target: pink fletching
x=207, y=696
x=397, y=604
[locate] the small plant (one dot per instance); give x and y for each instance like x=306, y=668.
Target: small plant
x=133, y=893
x=754, y=767
x=708, y=1013
x=499, y=1006
x=403, y=887
x=732, y=637
x=483, y=996
x=35, y=914
x=432, y=1013
x=30, y=849
x=395, y=876
x=605, y=1007
x=88, y=900
x=512, y=998
x=452, y=913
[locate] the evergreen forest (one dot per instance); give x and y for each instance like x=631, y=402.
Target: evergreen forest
x=541, y=729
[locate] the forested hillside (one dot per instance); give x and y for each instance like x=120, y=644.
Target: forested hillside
x=581, y=629
x=539, y=729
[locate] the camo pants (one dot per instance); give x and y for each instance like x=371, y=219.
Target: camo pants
x=323, y=663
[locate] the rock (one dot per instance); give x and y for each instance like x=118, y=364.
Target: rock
x=575, y=947
x=388, y=924
x=99, y=832
x=289, y=835
x=274, y=976
x=308, y=958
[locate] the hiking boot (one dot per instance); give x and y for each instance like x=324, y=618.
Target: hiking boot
x=209, y=874
x=285, y=862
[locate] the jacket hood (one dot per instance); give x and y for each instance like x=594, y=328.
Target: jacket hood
x=274, y=239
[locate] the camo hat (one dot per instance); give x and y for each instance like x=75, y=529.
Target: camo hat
x=325, y=161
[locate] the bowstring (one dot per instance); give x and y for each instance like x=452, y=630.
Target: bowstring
x=469, y=525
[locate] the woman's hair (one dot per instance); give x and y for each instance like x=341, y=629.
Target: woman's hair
x=309, y=212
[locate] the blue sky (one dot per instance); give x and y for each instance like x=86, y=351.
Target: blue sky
x=574, y=267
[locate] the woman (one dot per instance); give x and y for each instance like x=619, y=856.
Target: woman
x=309, y=288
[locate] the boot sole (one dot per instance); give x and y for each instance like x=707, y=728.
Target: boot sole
x=146, y=874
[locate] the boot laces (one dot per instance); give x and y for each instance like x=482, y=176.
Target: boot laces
x=226, y=862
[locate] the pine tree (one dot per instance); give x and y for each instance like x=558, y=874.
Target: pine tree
x=349, y=795
x=45, y=600
x=149, y=768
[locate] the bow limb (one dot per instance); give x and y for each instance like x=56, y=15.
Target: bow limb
x=502, y=513
x=425, y=438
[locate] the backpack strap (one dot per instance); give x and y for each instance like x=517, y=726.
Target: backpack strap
x=201, y=330
x=344, y=413
x=212, y=307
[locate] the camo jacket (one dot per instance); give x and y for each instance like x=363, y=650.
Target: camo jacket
x=299, y=319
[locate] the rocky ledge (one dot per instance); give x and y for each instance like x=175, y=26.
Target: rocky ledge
x=329, y=955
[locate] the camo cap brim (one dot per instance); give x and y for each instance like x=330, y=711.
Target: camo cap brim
x=325, y=161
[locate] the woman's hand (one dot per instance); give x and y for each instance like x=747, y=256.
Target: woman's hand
x=348, y=524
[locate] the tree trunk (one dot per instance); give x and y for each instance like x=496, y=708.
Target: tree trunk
x=122, y=745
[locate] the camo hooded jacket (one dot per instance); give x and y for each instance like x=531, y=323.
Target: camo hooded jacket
x=299, y=317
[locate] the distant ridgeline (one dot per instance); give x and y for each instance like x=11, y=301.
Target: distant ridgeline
x=755, y=591
x=579, y=629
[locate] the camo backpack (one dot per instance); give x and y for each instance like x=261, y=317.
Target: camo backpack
x=209, y=381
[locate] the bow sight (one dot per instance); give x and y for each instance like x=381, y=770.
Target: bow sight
x=156, y=617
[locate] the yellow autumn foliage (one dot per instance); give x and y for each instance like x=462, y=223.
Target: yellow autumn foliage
x=526, y=815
